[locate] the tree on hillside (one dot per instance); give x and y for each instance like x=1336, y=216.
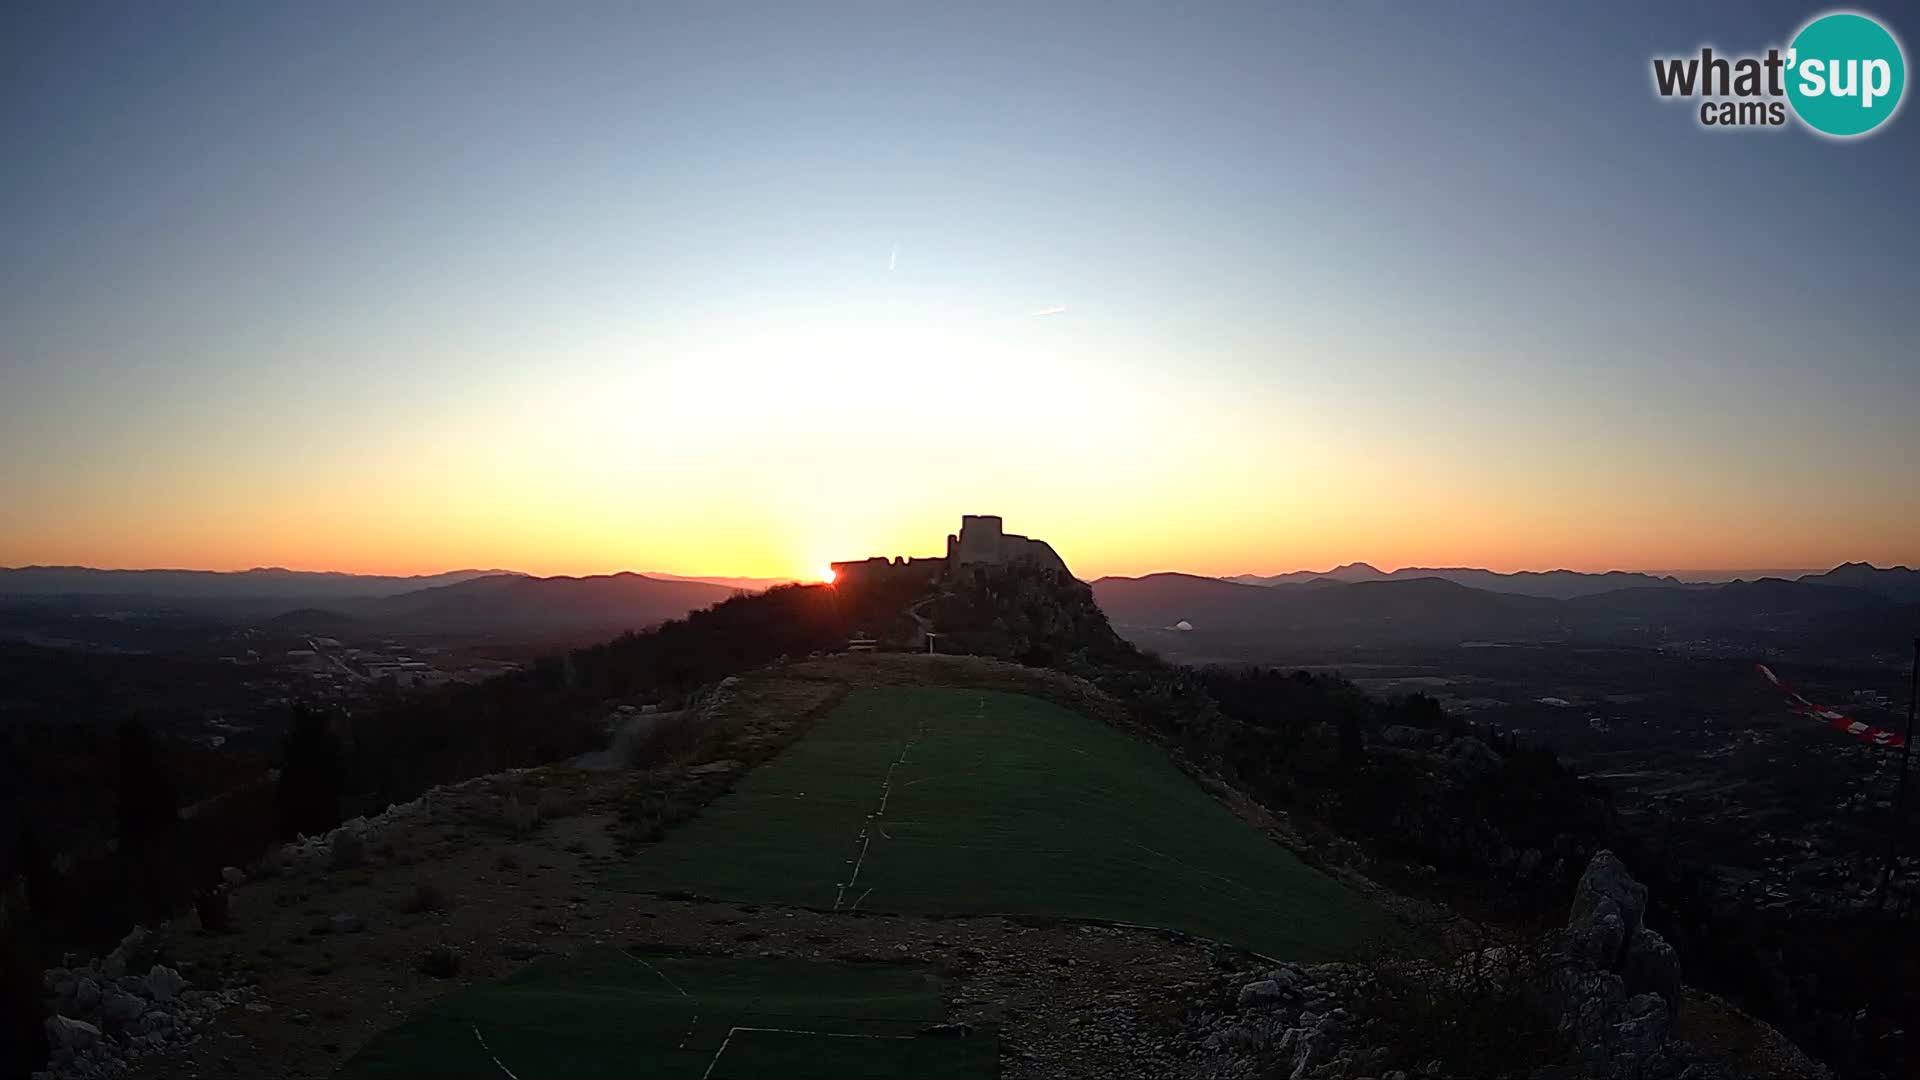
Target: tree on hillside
x=23, y=1045
x=147, y=808
x=35, y=868
x=1353, y=744
x=312, y=779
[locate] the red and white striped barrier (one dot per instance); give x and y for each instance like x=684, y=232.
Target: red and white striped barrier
x=1874, y=735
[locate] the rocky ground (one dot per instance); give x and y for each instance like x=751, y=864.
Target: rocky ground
x=337, y=939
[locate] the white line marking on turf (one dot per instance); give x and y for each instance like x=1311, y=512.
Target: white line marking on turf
x=677, y=988
x=866, y=838
x=481, y=1039
x=731, y=1032
x=866, y=842
x=656, y=971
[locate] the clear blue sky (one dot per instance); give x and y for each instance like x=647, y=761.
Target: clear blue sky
x=579, y=287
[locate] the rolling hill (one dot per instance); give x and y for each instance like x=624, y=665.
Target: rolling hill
x=519, y=605
x=1898, y=583
x=1401, y=611
x=190, y=585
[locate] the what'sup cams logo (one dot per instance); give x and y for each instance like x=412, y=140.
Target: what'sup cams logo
x=1842, y=74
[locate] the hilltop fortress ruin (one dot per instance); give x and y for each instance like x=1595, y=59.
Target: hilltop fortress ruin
x=981, y=541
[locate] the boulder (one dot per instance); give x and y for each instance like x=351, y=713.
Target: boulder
x=138, y=949
x=1644, y=1030
x=70, y=1034
x=1264, y=992
x=233, y=876
x=1616, y=983
x=86, y=996
x=1472, y=759
x=1245, y=1038
x=119, y=1008
x=163, y=983
x=1606, y=880
x=1652, y=966
x=1601, y=940
x=1608, y=909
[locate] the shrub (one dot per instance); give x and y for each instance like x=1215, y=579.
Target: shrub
x=22, y=1045
x=647, y=814
x=312, y=779
x=348, y=851
x=440, y=962
x=426, y=896
x=211, y=906
x=519, y=817
x=663, y=738
x=1479, y=1016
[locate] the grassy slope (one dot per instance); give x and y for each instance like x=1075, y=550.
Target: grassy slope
x=1000, y=803
x=606, y=1013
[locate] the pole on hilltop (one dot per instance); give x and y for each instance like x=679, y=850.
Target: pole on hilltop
x=1900, y=792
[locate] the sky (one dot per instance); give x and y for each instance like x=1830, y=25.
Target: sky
x=744, y=288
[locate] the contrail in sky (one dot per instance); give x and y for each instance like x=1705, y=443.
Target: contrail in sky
x=1048, y=311
x=893, y=256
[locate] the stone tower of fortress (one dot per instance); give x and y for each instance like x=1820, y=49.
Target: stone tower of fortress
x=982, y=539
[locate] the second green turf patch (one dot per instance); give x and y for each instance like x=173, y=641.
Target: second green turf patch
x=611, y=1013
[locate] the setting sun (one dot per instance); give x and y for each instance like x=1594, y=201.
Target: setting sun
x=827, y=575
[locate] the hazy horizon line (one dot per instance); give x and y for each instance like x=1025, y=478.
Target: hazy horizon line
x=1805, y=568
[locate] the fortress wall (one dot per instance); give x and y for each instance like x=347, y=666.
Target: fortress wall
x=880, y=569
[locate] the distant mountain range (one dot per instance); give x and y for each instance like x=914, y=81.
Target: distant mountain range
x=748, y=584
x=1897, y=582
x=480, y=603
x=1856, y=602
x=204, y=584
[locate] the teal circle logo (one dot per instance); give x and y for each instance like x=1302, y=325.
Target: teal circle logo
x=1845, y=74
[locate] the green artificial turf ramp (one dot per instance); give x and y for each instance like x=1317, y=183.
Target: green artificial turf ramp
x=968, y=802
x=611, y=1013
